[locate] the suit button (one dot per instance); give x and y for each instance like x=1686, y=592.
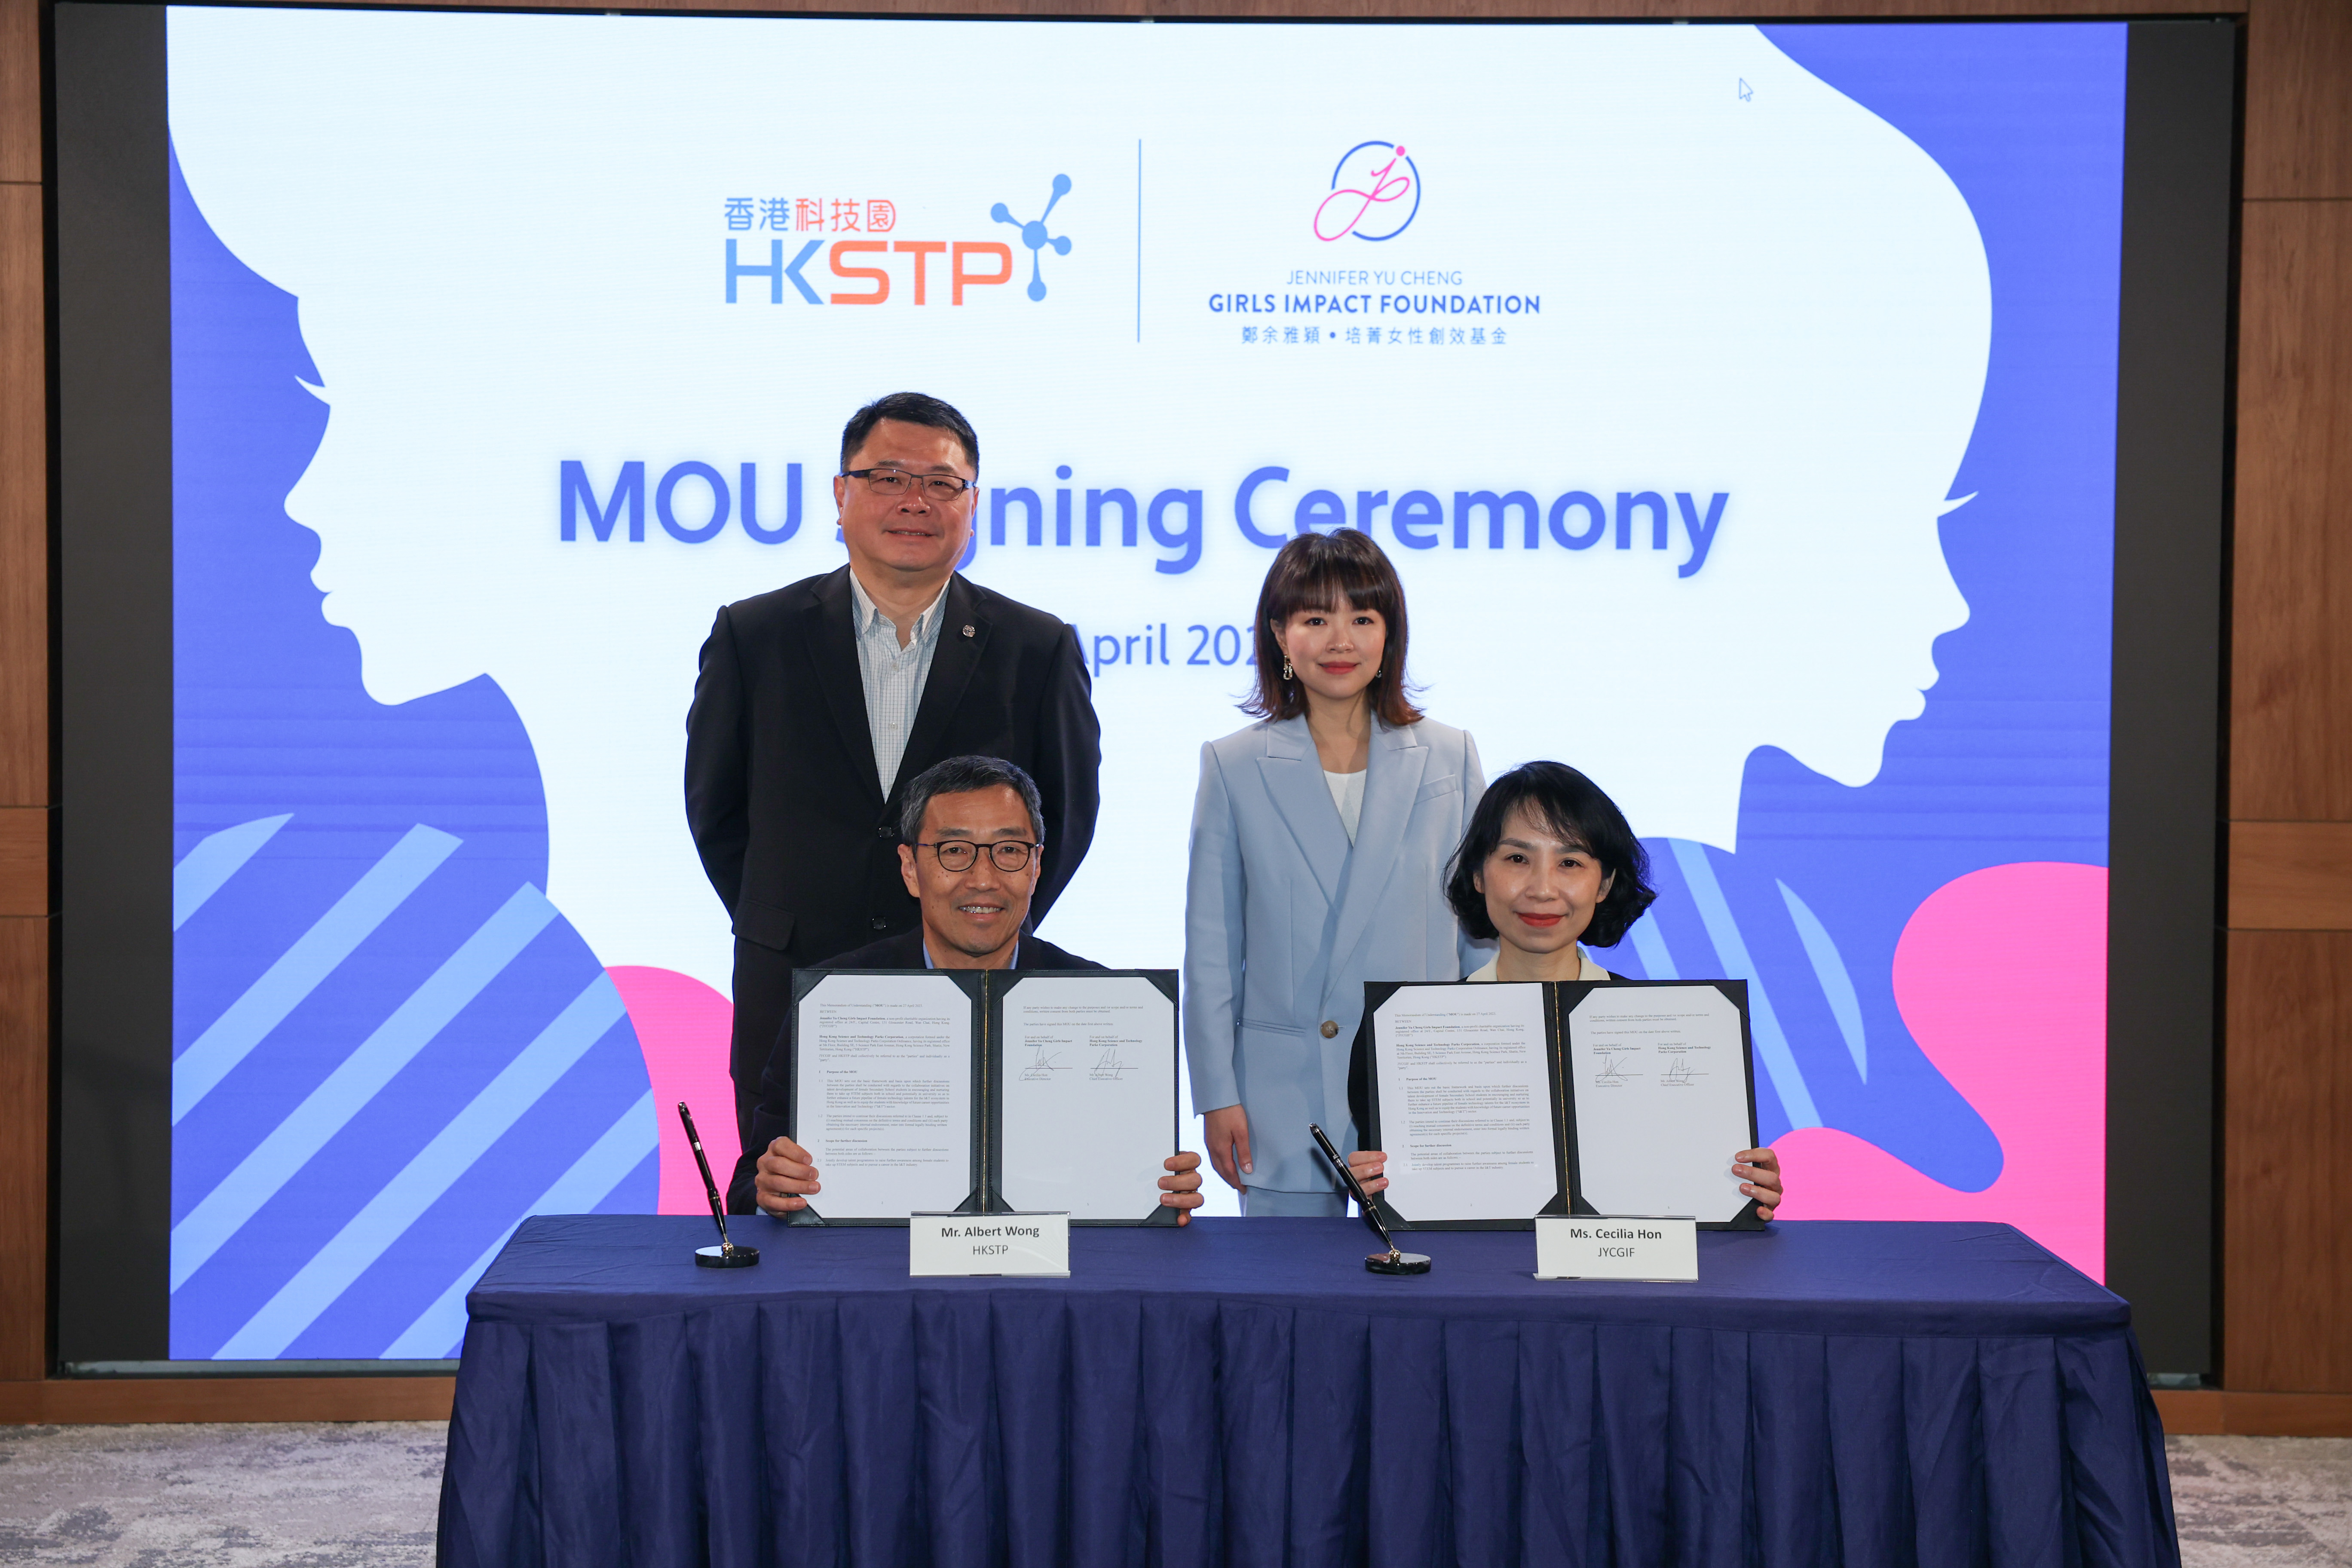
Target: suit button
x=1330, y=1029
x=881, y=925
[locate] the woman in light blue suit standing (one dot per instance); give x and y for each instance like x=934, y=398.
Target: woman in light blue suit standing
x=1319, y=839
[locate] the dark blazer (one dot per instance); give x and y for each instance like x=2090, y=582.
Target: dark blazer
x=796, y=832
x=774, y=1111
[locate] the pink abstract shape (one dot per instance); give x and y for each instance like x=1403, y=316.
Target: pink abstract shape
x=683, y=1027
x=2001, y=975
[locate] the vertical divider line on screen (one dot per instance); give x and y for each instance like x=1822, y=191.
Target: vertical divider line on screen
x=1138, y=239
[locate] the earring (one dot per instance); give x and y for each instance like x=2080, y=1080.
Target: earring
x=1286, y=666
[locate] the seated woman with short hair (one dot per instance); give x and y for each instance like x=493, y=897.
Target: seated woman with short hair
x=1547, y=863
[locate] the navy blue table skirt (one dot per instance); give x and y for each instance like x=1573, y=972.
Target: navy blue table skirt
x=1242, y=1392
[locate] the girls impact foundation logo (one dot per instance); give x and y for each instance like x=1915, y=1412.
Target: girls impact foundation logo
x=1375, y=194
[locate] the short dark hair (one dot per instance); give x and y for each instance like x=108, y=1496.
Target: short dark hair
x=1314, y=572
x=908, y=408
x=963, y=775
x=1574, y=807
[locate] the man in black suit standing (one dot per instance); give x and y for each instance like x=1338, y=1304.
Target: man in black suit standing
x=970, y=857
x=816, y=702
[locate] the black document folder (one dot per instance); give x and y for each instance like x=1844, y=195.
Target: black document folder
x=984, y=1092
x=1497, y=1103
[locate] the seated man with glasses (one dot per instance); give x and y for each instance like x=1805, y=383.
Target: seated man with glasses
x=971, y=847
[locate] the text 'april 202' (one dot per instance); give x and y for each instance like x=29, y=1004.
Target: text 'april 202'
x=1152, y=646
x=694, y=503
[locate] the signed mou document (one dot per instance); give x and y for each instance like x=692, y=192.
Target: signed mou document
x=955, y=1091
x=1500, y=1103
x=1467, y=1102
x=1663, y=1100
x=882, y=1092
x=1089, y=1093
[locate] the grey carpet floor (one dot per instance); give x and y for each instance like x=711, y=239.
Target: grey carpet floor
x=324, y=1494
x=361, y=1496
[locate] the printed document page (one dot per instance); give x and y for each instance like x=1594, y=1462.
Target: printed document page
x=1465, y=1102
x=1089, y=1094
x=1661, y=1081
x=883, y=1096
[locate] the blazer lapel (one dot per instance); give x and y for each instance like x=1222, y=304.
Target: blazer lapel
x=1398, y=761
x=954, y=661
x=1293, y=780
x=833, y=652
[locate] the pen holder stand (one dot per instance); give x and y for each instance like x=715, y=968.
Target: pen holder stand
x=732, y=1256
x=1394, y=1262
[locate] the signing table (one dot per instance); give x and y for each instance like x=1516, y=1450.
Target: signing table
x=1242, y=1392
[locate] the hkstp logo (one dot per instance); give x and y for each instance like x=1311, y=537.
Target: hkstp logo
x=890, y=266
x=1375, y=195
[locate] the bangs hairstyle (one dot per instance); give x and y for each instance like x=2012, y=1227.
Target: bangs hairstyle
x=1316, y=572
x=1573, y=807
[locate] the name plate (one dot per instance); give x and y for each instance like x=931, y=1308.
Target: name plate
x=988, y=1244
x=1602, y=1248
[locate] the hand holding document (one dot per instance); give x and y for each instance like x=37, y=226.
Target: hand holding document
x=1088, y=1094
x=983, y=1090
x=1465, y=1094
x=1494, y=1103
x=1663, y=1100
x=882, y=1092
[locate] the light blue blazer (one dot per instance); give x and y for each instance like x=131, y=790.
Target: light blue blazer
x=1284, y=922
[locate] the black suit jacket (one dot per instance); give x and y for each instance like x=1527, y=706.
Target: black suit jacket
x=796, y=832
x=774, y=1111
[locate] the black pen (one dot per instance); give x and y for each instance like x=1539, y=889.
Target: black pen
x=1391, y=1261
x=727, y=1254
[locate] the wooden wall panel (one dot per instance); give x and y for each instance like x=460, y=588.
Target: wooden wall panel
x=2217, y=1411
x=2287, y=1039
x=2288, y=1097
x=24, y=490
x=20, y=91
x=2298, y=100
x=24, y=1147
x=2291, y=674
x=128, y=1399
x=2291, y=876
x=24, y=861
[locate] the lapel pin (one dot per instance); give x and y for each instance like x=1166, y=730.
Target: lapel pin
x=968, y=631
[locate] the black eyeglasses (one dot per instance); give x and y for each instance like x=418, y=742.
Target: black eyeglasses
x=940, y=488
x=960, y=854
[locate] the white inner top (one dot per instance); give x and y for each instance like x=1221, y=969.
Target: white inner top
x=1589, y=970
x=1348, y=794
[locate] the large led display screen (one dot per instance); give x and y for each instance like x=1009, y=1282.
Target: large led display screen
x=1738, y=403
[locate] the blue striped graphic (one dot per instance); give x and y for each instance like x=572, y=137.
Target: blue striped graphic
x=298, y=972
x=318, y=1058
x=590, y=1181
x=1837, y=985
x=292, y=1143
x=450, y=1153
x=1731, y=951
x=214, y=860
x=1650, y=947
